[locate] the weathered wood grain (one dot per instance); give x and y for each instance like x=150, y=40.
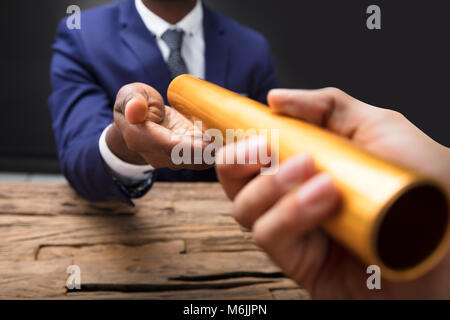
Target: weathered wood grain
x=179, y=242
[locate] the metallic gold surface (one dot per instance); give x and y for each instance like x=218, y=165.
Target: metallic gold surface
x=369, y=185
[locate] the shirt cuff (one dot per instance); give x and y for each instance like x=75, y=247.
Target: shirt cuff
x=126, y=173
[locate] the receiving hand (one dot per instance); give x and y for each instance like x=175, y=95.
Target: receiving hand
x=146, y=131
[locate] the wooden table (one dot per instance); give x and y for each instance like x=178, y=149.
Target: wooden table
x=179, y=242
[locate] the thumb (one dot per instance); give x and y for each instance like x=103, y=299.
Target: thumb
x=135, y=100
x=136, y=110
x=330, y=108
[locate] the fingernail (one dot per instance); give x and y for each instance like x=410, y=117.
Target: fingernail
x=318, y=194
x=295, y=169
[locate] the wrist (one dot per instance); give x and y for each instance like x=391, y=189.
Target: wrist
x=118, y=146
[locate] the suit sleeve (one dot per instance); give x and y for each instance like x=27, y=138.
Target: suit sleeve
x=264, y=75
x=80, y=111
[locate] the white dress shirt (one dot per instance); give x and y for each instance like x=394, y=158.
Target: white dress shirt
x=193, y=53
x=193, y=47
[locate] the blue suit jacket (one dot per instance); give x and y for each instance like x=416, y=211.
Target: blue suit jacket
x=114, y=48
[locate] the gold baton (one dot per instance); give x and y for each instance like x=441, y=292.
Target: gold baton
x=390, y=216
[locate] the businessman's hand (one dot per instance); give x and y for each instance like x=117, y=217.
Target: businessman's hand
x=145, y=130
x=285, y=210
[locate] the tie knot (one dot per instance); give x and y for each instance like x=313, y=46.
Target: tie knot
x=173, y=38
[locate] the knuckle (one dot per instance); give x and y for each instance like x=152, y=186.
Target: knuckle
x=333, y=91
x=389, y=114
x=396, y=114
x=335, y=97
x=127, y=91
x=330, y=95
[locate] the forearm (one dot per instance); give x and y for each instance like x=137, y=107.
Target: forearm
x=83, y=167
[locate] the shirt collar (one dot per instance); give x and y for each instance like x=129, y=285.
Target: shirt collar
x=190, y=24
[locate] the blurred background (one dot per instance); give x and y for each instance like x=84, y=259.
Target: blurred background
x=316, y=43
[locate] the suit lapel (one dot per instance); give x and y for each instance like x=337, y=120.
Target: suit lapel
x=143, y=44
x=216, y=49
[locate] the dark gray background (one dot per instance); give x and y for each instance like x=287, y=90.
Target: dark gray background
x=316, y=43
